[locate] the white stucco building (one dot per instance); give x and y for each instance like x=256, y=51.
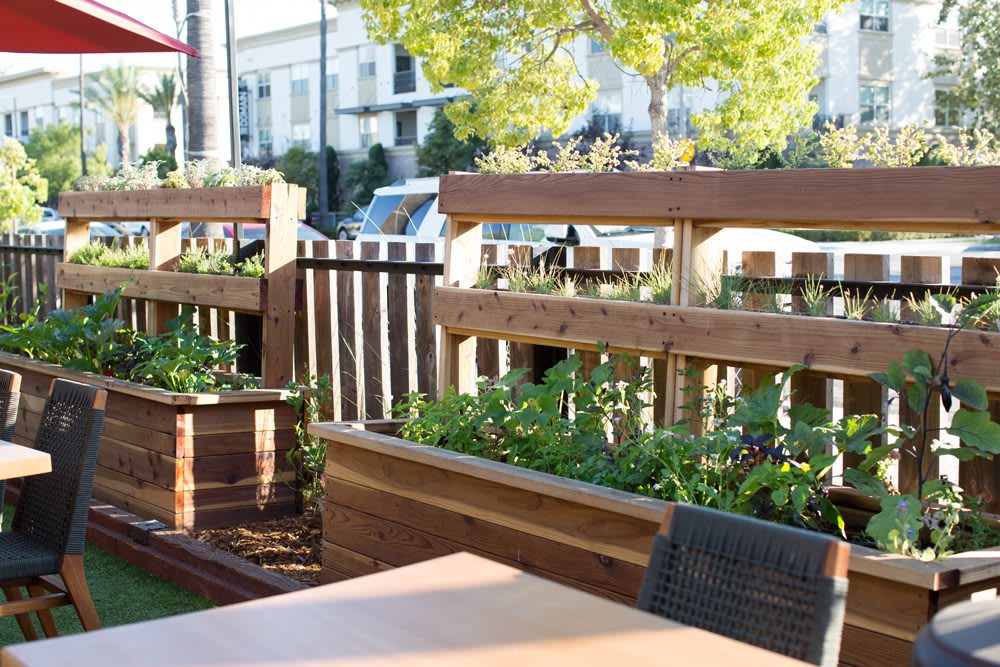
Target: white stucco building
x=40, y=97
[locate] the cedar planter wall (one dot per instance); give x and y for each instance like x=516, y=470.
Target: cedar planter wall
x=189, y=460
x=390, y=503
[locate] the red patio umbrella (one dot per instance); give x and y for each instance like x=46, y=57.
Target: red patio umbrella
x=77, y=26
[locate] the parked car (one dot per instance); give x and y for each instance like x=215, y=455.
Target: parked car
x=257, y=231
x=407, y=210
x=58, y=227
x=345, y=227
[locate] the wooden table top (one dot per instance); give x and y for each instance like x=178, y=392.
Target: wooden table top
x=455, y=610
x=20, y=461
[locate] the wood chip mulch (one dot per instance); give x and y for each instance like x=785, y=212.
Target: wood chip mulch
x=290, y=546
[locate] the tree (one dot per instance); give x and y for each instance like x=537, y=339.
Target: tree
x=56, y=152
x=203, y=130
x=516, y=60
x=978, y=65
x=300, y=166
x=163, y=98
x=22, y=188
x=166, y=161
x=115, y=91
x=368, y=175
x=442, y=152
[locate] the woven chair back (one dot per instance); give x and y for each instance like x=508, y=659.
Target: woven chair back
x=757, y=582
x=10, y=397
x=52, y=509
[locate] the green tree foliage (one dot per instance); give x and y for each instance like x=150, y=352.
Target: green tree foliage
x=163, y=98
x=516, y=60
x=56, y=152
x=442, y=152
x=166, y=161
x=301, y=167
x=22, y=188
x=978, y=64
x=367, y=175
x=115, y=91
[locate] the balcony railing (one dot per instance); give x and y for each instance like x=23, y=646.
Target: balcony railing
x=405, y=82
x=406, y=140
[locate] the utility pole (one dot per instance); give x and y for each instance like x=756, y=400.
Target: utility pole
x=324, y=196
x=83, y=145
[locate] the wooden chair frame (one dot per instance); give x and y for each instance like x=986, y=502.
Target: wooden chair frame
x=49, y=591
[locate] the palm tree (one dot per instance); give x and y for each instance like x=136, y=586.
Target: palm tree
x=115, y=91
x=162, y=98
x=203, y=132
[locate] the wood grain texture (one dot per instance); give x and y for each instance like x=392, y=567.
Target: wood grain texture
x=20, y=461
x=823, y=344
x=925, y=198
x=200, y=204
x=519, y=619
x=243, y=295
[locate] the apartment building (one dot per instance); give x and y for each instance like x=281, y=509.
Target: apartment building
x=40, y=97
x=874, y=59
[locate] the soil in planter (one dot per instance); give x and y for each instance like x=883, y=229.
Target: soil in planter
x=292, y=546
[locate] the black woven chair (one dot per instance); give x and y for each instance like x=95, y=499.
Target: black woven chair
x=10, y=397
x=47, y=534
x=776, y=587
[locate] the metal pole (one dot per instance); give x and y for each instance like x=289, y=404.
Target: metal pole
x=83, y=148
x=234, y=109
x=324, y=196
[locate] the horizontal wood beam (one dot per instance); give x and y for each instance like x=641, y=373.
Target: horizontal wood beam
x=919, y=198
x=244, y=295
x=200, y=204
x=829, y=345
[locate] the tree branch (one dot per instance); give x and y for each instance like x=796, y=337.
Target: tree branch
x=600, y=24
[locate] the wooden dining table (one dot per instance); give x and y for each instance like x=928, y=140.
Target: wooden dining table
x=20, y=461
x=454, y=610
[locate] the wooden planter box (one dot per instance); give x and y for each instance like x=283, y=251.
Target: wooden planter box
x=824, y=344
x=245, y=295
x=390, y=502
x=225, y=204
x=189, y=460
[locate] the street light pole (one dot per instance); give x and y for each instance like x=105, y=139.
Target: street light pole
x=324, y=196
x=234, y=110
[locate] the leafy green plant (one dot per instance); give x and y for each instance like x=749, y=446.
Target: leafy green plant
x=885, y=310
x=252, y=267
x=202, y=260
x=312, y=403
x=923, y=524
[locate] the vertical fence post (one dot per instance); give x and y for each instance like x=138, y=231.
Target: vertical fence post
x=462, y=247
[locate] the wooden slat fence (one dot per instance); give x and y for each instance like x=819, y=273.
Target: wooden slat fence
x=367, y=319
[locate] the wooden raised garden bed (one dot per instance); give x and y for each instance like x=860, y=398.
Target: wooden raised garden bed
x=277, y=206
x=390, y=502
x=189, y=460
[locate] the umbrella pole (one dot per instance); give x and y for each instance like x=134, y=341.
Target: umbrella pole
x=83, y=149
x=234, y=109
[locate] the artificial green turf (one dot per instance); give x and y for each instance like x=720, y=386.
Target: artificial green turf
x=122, y=594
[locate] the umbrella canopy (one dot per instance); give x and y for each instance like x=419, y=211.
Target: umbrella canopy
x=77, y=26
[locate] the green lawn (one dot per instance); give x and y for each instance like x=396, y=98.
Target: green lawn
x=122, y=594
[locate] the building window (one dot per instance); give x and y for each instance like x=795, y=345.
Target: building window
x=22, y=125
x=366, y=70
x=8, y=125
x=300, y=79
x=607, y=113
x=369, y=130
x=596, y=46
x=946, y=113
x=875, y=15
x=264, y=140
x=264, y=85
x=406, y=128
x=332, y=81
x=300, y=135
x=875, y=105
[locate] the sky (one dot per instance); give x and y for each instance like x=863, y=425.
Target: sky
x=252, y=17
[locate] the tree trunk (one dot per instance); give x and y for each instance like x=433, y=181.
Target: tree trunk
x=171, y=140
x=123, y=147
x=659, y=86
x=203, y=131
x=202, y=100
